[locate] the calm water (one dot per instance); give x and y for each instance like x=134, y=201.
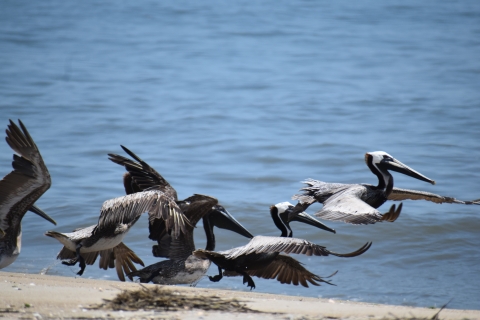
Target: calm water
x=243, y=101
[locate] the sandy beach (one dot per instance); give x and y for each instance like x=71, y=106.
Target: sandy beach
x=32, y=296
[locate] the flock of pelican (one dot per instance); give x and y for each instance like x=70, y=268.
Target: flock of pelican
x=172, y=221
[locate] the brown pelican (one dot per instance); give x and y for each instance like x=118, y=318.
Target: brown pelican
x=19, y=190
x=358, y=203
x=120, y=257
x=117, y=216
x=256, y=257
x=183, y=267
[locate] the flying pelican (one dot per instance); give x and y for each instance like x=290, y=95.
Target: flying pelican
x=117, y=216
x=120, y=257
x=19, y=190
x=358, y=203
x=261, y=256
x=183, y=267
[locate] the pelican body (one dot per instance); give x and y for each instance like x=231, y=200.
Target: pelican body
x=182, y=267
x=119, y=256
x=117, y=216
x=358, y=203
x=19, y=190
x=262, y=257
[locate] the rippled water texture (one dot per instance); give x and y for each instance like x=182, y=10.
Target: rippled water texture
x=243, y=101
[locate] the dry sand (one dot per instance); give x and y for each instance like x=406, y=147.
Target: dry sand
x=30, y=296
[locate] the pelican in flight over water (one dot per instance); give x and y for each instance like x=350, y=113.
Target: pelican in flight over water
x=262, y=256
x=19, y=190
x=182, y=267
x=117, y=216
x=358, y=203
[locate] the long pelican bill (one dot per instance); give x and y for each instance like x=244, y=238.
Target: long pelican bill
x=395, y=165
x=221, y=218
x=42, y=214
x=308, y=219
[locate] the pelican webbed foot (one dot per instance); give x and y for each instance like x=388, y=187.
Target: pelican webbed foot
x=249, y=281
x=218, y=277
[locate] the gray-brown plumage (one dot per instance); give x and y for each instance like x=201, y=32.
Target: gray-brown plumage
x=255, y=257
x=19, y=190
x=358, y=203
x=119, y=257
x=118, y=215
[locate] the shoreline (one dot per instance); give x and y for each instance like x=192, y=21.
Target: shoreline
x=31, y=296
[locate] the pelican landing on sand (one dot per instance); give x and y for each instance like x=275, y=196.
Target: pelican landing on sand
x=117, y=216
x=119, y=257
x=19, y=190
x=358, y=203
x=261, y=256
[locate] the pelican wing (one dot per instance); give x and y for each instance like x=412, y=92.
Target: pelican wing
x=121, y=258
x=126, y=210
x=318, y=191
x=195, y=208
x=348, y=206
x=286, y=270
x=140, y=176
x=264, y=244
x=405, y=194
x=25, y=184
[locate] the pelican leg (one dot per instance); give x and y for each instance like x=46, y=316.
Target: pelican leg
x=218, y=277
x=247, y=279
x=80, y=260
x=150, y=278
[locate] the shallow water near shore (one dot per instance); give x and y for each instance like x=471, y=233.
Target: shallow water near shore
x=242, y=102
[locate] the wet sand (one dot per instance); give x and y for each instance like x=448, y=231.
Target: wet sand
x=30, y=296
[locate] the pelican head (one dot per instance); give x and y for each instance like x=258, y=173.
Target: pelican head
x=279, y=214
x=382, y=161
x=221, y=218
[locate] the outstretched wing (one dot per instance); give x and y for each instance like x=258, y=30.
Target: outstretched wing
x=405, y=194
x=286, y=270
x=264, y=244
x=25, y=184
x=126, y=210
x=140, y=176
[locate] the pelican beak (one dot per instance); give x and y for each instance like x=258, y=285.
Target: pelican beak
x=221, y=218
x=42, y=214
x=395, y=165
x=308, y=219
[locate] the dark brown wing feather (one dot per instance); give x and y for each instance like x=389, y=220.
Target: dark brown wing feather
x=25, y=184
x=195, y=208
x=140, y=175
x=287, y=270
x=122, y=258
x=405, y=194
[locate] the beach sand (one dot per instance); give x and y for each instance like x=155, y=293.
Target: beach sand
x=33, y=296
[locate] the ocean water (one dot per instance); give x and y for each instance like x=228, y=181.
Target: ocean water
x=243, y=101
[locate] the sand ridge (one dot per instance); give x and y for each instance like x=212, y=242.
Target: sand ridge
x=33, y=296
